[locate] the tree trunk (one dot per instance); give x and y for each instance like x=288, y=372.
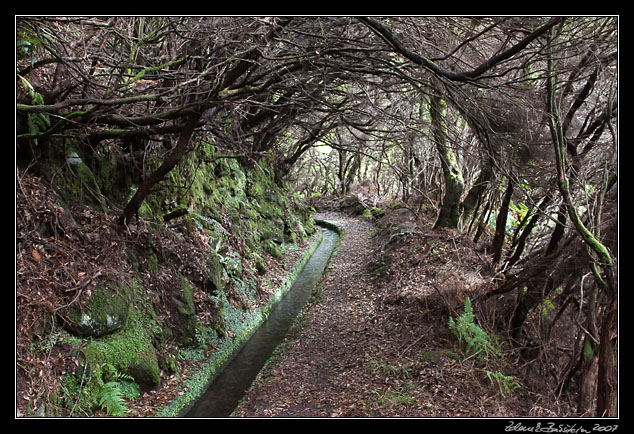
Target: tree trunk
x=558, y=232
x=500, y=224
x=353, y=165
x=607, y=386
x=172, y=160
x=474, y=197
x=521, y=241
x=341, y=172
x=454, y=184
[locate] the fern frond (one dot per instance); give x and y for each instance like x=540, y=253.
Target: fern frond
x=477, y=341
x=111, y=399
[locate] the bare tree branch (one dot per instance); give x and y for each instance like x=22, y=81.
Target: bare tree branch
x=466, y=76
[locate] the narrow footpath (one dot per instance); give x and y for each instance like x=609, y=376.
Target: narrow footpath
x=315, y=372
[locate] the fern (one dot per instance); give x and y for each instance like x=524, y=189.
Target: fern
x=476, y=340
x=111, y=394
x=506, y=383
x=113, y=372
x=36, y=122
x=111, y=399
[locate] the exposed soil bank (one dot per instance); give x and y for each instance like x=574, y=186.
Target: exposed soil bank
x=107, y=313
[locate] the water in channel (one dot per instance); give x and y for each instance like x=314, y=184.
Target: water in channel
x=228, y=387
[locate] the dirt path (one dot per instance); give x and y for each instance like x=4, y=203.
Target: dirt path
x=317, y=371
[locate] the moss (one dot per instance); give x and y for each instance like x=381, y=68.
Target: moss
x=215, y=283
x=271, y=248
x=242, y=324
x=94, y=177
x=378, y=212
x=106, y=312
x=152, y=260
x=245, y=215
x=249, y=202
x=129, y=351
x=186, y=321
x=260, y=266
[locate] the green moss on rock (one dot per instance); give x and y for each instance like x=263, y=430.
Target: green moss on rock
x=243, y=215
x=186, y=323
x=105, y=312
x=130, y=351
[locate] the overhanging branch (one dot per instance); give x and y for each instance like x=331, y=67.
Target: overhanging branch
x=387, y=34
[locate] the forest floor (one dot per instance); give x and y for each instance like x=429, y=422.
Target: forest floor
x=374, y=339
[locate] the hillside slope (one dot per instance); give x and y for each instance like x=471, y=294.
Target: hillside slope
x=107, y=315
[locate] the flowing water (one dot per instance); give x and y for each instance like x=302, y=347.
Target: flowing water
x=228, y=387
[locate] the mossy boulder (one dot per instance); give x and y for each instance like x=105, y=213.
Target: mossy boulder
x=215, y=282
x=236, y=215
x=218, y=322
x=271, y=248
x=129, y=351
x=94, y=177
x=105, y=312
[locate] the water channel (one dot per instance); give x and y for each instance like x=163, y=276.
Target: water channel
x=227, y=388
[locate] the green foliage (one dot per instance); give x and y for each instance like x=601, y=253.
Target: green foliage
x=29, y=41
x=36, y=122
x=130, y=347
x=517, y=214
x=389, y=370
x=393, y=397
x=110, y=395
x=483, y=345
x=477, y=341
x=111, y=399
x=506, y=383
x=546, y=306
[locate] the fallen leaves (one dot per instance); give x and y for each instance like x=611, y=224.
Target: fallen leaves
x=56, y=265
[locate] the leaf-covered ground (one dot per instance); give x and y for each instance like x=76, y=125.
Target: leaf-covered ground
x=374, y=340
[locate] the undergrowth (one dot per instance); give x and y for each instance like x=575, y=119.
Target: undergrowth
x=111, y=394
x=507, y=384
x=477, y=341
x=482, y=345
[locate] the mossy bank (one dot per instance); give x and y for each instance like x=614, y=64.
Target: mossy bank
x=175, y=291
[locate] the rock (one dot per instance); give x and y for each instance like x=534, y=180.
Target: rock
x=105, y=313
x=145, y=373
x=271, y=248
x=129, y=351
x=218, y=319
x=214, y=284
x=185, y=321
